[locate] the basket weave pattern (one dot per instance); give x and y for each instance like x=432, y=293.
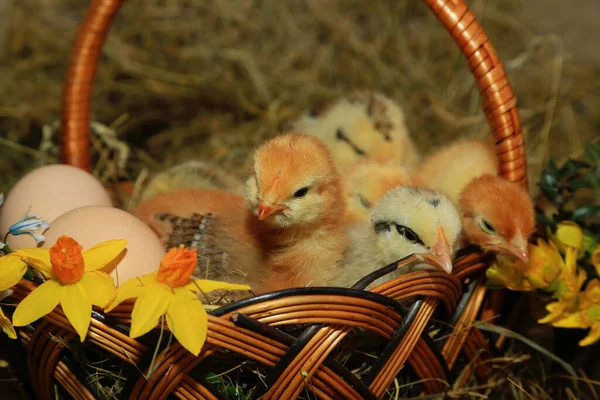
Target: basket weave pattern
x=248, y=328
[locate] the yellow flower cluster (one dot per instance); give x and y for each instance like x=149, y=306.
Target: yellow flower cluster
x=75, y=281
x=553, y=268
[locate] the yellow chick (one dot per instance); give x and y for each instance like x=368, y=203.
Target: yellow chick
x=192, y=175
x=296, y=190
x=286, y=232
x=365, y=184
x=363, y=125
x=407, y=220
x=497, y=215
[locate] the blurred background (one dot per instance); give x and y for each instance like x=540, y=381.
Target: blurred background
x=183, y=79
x=209, y=80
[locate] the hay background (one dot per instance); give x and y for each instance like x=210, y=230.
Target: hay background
x=184, y=79
x=209, y=80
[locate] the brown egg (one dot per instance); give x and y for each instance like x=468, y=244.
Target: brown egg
x=50, y=191
x=91, y=225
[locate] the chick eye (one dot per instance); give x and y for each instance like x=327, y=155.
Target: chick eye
x=301, y=192
x=487, y=227
x=409, y=234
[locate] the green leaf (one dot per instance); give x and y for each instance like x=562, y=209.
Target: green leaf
x=584, y=212
x=553, y=167
x=589, y=244
x=544, y=219
x=593, y=178
x=567, y=171
x=549, y=191
x=592, y=153
x=579, y=184
x=548, y=178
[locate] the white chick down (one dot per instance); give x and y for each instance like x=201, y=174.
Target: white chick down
x=193, y=174
x=362, y=125
x=407, y=220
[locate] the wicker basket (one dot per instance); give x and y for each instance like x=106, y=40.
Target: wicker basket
x=305, y=361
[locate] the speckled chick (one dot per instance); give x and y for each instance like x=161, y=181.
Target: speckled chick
x=363, y=125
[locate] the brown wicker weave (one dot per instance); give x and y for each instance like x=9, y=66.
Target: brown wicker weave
x=304, y=362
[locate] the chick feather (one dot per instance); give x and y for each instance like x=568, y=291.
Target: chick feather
x=295, y=175
x=192, y=174
x=407, y=220
x=497, y=215
x=363, y=125
x=271, y=238
x=366, y=182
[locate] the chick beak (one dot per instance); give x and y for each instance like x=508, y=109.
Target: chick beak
x=441, y=253
x=264, y=210
x=517, y=247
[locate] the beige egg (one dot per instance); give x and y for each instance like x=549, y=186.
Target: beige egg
x=51, y=191
x=94, y=224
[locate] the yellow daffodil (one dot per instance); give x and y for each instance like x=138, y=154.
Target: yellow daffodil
x=12, y=269
x=569, y=234
x=75, y=281
x=568, y=285
x=7, y=327
x=508, y=272
x=586, y=315
x=545, y=264
x=596, y=259
x=590, y=312
x=544, y=267
x=172, y=292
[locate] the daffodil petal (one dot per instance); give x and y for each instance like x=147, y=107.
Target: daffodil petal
x=7, y=326
x=187, y=319
x=38, y=258
x=131, y=289
x=38, y=303
x=573, y=320
x=569, y=234
x=554, y=310
x=100, y=255
x=12, y=269
x=592, y=290
x=208, y=286
x=148, y=308
x=99, y=287
x=77, y=307
x=592, y=336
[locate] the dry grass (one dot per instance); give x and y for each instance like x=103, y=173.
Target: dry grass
x=182, y=80
x=210, y=80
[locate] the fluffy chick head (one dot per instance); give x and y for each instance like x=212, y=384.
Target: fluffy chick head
x=411, y=220
x=294, y=182
x=497, y=215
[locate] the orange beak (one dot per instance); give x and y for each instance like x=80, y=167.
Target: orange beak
x=264, y=210
x=517, y=247
x=441, y=253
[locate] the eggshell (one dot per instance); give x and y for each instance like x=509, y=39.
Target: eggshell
x=51, y=190
x=94, y=224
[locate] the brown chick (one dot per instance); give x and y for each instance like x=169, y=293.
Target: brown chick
x=287, y=232
x=296, y=190
x=366, y=182
x=496, y=214
x=218, y=224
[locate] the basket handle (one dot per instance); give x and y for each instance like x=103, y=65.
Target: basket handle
x=498, y=98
